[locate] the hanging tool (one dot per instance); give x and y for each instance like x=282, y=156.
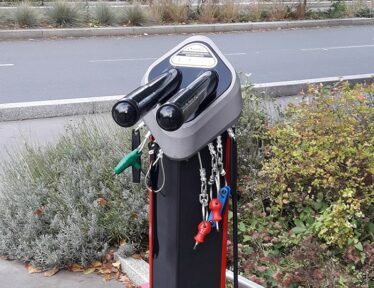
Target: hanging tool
x=204, y=229
x=132, y=159
x=223, y=196
x=215, y=207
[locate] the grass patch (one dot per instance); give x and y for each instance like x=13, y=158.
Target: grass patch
x=104, y=14
x=26, y=16
x=65, y=14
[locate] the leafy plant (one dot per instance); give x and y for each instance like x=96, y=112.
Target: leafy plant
x=104, y=14
x=311, y=193
x=26, y=16
x=62, y=204
x=338, y=9
x=65, y=14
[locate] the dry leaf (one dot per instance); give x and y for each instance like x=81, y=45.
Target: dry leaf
x=108, y=277
x=122, y=242
x=101, y=202
x=32, y=269
x=38, y=211
x=116, y=264
x=96, y=264
x=105, y=270
x=51, y=272
x=124, y=279
x=136, y=256
x=76, y=268
x=89, y=270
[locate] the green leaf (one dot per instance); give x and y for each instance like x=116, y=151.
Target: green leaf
x=359, y=246
x=242, y=227
x=246, y=238
x=299, y=223
x=371, y=228
x=298, y=230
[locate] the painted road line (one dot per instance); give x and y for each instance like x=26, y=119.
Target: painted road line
x=338, y=47
x=121, y=60
x=150, y=58
x=6, y=65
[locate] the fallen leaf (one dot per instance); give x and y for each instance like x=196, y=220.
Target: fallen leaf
x=76, y=268
x=32, y=269
x=89, y=270
x=122, y=242
x=116, y=264
x=101, y=202
x=108, y=277
x=105, y=271
x=96, y=264
x=38, y=211
x=136, y=256
x=51, y=272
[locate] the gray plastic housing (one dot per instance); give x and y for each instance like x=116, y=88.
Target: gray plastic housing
x=220, y=115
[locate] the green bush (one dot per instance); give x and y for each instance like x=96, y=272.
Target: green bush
x=26, y=16
x=365, y=12
x=104, y=14
x=65, y=14
x=310, y=220
x=62, y=204
x=338, y=9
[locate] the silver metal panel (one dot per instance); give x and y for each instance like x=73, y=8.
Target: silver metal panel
x=218, y=116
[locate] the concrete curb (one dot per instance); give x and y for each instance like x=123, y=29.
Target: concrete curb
x=24, y=34
x=94, y=105
x=138, y=272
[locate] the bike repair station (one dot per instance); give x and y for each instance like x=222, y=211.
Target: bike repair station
x=187, y=104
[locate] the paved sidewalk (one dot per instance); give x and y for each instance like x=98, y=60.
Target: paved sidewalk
x=13, y=274
x=37, y=132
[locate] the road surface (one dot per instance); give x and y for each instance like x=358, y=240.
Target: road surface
x=74, y=68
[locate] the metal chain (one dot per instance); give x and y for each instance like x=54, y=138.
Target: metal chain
x=203, y=197
x=214, y=176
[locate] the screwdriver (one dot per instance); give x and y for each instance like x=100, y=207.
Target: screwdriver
x=204, y=229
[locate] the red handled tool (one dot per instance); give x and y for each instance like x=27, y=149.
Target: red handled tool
x=216, y=206
x=204, y=229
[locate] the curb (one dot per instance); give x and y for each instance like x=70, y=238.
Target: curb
x=24, y=34
x=138, y=272
x=292, y=88
x=94, y=105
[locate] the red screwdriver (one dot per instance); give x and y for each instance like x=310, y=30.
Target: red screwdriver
x=204, y=229
x=216, y=206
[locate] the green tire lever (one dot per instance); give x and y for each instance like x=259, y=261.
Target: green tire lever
x=131, y=159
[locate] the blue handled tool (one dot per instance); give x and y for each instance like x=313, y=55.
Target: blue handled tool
x=223, y=195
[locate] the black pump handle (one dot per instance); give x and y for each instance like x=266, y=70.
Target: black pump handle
x=136, y=104
x=173, y=114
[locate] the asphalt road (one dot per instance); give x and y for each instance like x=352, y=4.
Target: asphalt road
x=74, y=68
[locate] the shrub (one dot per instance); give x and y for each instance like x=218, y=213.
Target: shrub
x=62, y=205
x=228, y=12
x=26, y=16
x=310, y=221
x=365, y=12
x=166, y=11
x=65, y=14
x=338, y=9
x=134, y=16
x=207, y=13
x=104, y=14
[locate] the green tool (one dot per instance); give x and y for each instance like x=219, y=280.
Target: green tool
x=131, y=159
